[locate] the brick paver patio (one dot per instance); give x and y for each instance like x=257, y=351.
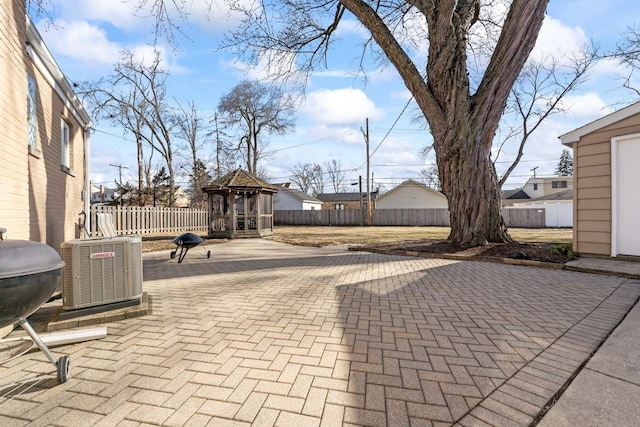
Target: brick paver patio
x=271, y=334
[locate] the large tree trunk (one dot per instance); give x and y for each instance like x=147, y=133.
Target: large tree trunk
x=469, y=181
x=463, y=125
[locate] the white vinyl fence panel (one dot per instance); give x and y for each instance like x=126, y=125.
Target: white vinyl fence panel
x=556, y=214
x=151, y=220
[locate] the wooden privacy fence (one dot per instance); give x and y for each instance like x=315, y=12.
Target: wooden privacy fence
x=527, y=218
x=152, y=220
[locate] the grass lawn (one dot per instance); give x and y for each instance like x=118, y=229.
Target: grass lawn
x=323, y=236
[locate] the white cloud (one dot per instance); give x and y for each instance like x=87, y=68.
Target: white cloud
x=81, y=41
x=216, y=16
x=273, y=65
x=608, y=67
x=89, y=45
x=585, y=107
x=145, y=54
x=557, y=39
x=120, y=14
x=341, y=106
x=348, y=27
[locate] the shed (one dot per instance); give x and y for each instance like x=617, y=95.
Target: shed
x=412, y=195
x=294, y=200
x=240, y=205
x=606, y=154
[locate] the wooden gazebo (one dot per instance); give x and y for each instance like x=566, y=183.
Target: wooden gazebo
x=240, y=205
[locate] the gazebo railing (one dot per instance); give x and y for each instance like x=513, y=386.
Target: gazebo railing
x=246, y=223
x=220, y=223
x=266, y=222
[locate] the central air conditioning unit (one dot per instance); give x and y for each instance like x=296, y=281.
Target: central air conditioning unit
x=101, y=271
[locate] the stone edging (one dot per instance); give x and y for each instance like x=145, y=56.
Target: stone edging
x=511, y=261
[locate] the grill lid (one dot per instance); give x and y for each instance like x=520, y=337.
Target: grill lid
x=23, y=257
x=187, y=239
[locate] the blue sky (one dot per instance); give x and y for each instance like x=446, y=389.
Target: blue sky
x=89, y=35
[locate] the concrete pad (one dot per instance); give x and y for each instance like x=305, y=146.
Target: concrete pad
x=618, y=356
x=269, y=333
x=594, y=399
x=629, y=269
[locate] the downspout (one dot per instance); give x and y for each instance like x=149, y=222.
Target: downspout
x=87, y=183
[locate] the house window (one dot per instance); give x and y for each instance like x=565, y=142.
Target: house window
x=558, y=184
x=32, y=113
x=339, y=206
x=535, y=186
x=65, y=146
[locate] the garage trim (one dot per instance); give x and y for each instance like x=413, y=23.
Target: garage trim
x=615, y=189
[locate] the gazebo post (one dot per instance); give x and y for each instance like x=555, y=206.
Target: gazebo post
x=258, y=213
x=232, y=212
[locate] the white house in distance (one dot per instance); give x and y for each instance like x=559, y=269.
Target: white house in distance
x=554, y=194
x=412, y=195
x=290, y=199
x=547, y=185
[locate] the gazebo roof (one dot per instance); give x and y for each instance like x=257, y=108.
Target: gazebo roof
x=239, y=179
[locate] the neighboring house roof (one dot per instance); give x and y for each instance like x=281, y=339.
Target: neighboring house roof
x=240, y=179
x=575, y=135
x=516, y=194
x=300, y=195
x=344, y=197
x=410, y=182
x=561, y=195
x=108, y=192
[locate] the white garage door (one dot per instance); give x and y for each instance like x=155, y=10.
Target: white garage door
x=627, y=195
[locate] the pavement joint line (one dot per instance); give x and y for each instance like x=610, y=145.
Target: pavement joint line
x=568, y=382
x=582, y=366
x=609, y=375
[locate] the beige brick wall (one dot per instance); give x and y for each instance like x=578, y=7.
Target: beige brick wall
x=38, y=200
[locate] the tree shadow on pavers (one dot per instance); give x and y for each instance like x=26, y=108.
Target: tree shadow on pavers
x=161, y=268
x=434, y=344
x=29, y=385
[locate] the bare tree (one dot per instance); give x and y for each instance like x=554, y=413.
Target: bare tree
x=134, y=96
x=333, y=168
x=190, y=127
x=318, y=181
x=307, y=177
x=537, y=94
x=253, y=107
x=628, y=53
x=430, y=177
x=463, y=115
x=226, y=155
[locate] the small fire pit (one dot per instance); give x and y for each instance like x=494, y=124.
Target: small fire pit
x=184, y=242
x=30, y=273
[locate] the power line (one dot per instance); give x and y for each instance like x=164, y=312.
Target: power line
x=387, y=134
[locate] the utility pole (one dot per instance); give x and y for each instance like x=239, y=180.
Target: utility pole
x=215, y=118
x=120, y=167
x=366, y=141
x=534, y=171
x=360, y=197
